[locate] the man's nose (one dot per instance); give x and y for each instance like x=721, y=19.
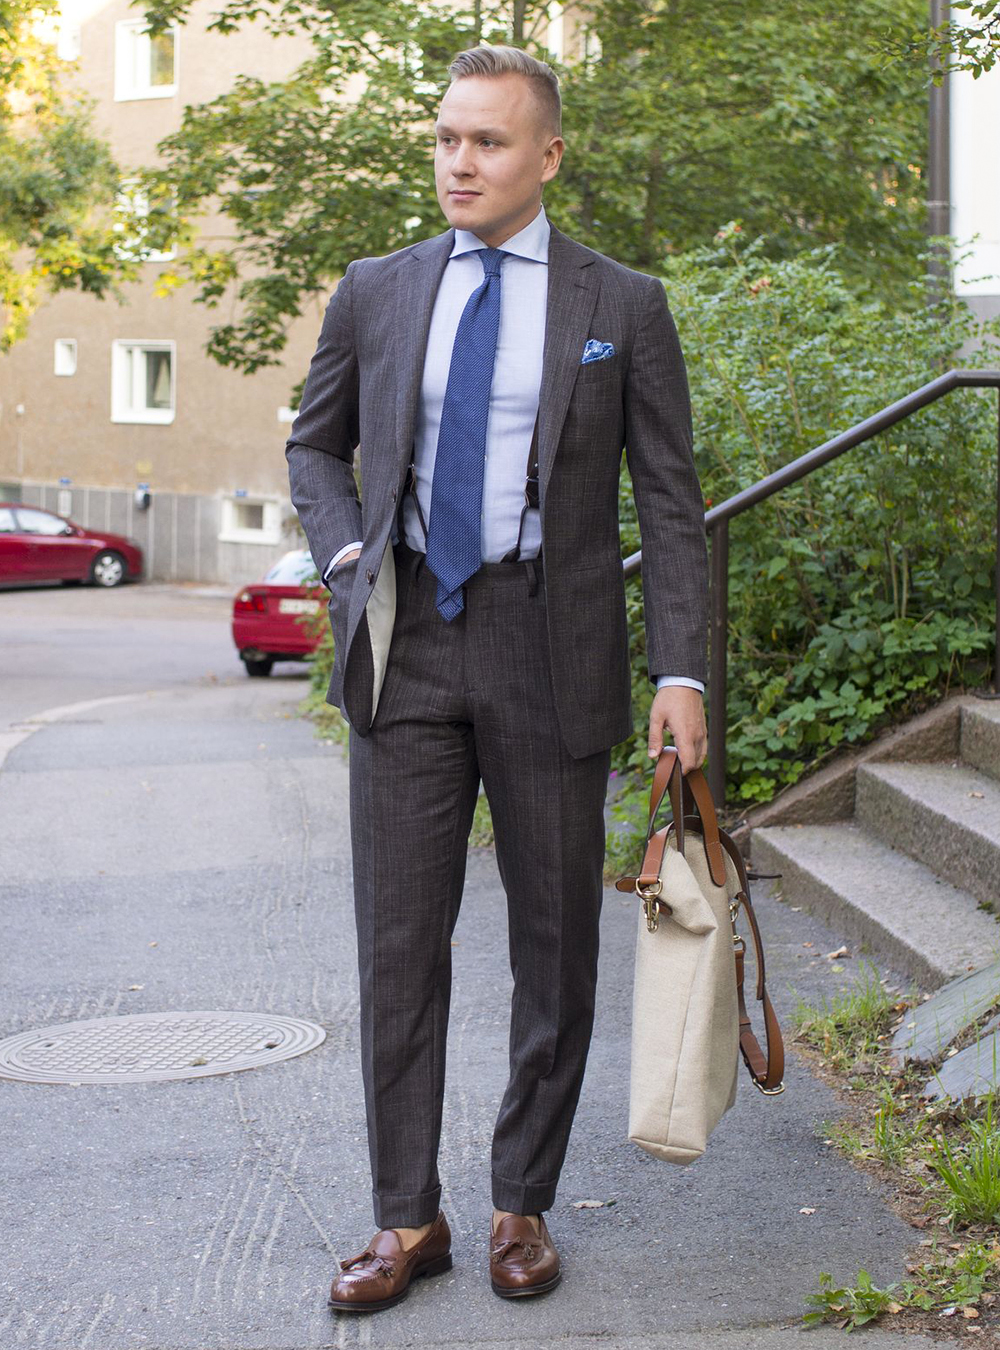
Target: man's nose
x=462, y=164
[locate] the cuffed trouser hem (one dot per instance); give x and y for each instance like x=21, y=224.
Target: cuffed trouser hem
x=406, y=1211
x=517, y=1198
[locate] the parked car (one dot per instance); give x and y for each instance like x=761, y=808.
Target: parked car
x=268, y=622
x=38, y=545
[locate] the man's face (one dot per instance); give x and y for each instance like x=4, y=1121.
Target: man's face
x=493, y=151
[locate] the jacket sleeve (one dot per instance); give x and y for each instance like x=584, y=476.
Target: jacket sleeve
x=658, y=450
x=325, y=434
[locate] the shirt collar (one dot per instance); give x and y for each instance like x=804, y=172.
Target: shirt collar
x=532, y=242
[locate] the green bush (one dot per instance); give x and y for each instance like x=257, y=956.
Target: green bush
x=865, y=590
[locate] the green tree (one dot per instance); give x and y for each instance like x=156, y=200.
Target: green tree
x=679, y=116
x=54, y=175
x=970, y=41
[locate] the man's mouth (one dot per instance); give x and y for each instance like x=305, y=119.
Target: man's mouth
x=463, y=192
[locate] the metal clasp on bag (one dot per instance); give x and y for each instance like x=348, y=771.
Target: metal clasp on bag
x=650, y=903
x=734, y=909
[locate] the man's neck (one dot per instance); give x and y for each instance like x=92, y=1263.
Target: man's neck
x=498, y=238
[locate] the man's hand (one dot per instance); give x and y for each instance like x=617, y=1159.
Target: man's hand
x=348, y=557
x=681, y=711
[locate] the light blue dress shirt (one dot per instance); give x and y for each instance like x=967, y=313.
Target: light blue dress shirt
x=517, y=378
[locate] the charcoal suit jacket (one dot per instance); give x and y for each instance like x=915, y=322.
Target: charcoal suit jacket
x=362, y=391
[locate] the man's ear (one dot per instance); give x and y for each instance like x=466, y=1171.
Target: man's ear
x=553, y=157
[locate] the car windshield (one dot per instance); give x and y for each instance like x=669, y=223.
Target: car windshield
x=294, y=569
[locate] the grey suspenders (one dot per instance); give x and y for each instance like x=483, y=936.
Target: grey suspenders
x=531, y=497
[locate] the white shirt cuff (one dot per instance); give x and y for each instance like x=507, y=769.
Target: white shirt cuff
x=663, y=680
x=348, y=548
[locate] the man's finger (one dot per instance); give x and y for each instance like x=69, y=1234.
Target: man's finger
x=688, y=753
x=655, y=737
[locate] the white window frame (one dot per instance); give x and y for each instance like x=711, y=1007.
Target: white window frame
x=133, y=200
x=230, y=532
x=132, y=54
x=124, y=367
x=64, y=348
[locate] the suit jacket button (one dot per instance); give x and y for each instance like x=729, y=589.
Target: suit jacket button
x=369, y=576
x=393, y=494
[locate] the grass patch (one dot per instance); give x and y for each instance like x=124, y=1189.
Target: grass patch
x=970, y=1170
x=482, y=824
x=942, y=1160
x=848, y=1028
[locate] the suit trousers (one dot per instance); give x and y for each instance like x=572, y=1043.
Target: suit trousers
x=464, y=702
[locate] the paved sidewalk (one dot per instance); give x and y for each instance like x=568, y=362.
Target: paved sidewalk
x=207, y=1214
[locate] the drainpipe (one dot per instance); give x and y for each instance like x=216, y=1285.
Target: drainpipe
x=938, y=161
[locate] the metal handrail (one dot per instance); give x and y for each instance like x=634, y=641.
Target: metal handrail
x=717, y=524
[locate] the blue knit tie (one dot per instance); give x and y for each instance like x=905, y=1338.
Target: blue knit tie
x=454, y=532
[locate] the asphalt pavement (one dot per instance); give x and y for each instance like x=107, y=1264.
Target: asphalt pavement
x=174, y=837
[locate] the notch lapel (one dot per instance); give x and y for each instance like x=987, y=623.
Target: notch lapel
x=419, y=277
x=572, y=298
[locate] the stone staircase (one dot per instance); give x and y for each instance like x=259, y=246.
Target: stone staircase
x=898, y=846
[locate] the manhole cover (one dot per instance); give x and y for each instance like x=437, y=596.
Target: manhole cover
x=149, y=1047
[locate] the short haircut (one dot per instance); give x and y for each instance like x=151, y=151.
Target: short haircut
x=492, y=61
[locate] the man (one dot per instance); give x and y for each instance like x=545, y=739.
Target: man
x=491, y=376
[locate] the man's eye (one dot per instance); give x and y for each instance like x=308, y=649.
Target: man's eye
x=484, y=141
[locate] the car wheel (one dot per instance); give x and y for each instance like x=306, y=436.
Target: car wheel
x=263, y=665
x=108, y=569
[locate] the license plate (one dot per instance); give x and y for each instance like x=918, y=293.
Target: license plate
x=298, y=606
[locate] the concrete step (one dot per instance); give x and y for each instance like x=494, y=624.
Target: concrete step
x=945, y=815
x=973, y=1072
x=929, y=1028
x=980, y=735
x=874, y=894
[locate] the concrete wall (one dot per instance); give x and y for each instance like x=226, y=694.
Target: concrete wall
x=974, y=152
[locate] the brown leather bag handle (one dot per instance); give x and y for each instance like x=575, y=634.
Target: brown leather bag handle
x=669, y=779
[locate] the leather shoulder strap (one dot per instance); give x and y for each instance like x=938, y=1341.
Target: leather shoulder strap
x=766, y=1070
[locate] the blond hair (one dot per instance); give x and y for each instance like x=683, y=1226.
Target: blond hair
x=492, y=61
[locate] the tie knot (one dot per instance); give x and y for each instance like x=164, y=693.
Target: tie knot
x=492, y=258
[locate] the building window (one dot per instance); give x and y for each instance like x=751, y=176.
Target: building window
x=132, y=225
x=65, y=356
x=250, y=520
x=145, y=65
x=68, y=42
x=142, y=381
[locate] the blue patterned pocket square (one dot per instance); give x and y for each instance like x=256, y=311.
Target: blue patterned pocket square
x=596, y=351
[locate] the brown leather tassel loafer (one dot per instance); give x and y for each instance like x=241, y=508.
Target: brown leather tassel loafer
x=382, y=1274
x=522, y=1262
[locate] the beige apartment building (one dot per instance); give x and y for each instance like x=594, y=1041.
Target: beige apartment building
x=103, y=401
x=112, y=414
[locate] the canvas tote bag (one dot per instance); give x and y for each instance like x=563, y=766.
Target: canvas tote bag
x=689, y=1016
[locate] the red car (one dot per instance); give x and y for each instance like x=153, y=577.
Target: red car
x=37, y=545
x=268, y=622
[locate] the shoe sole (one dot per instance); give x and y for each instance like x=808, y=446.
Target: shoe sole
x=527, y=1290
x=438, y=1266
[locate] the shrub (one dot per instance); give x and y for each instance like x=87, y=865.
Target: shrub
x=865, y=590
